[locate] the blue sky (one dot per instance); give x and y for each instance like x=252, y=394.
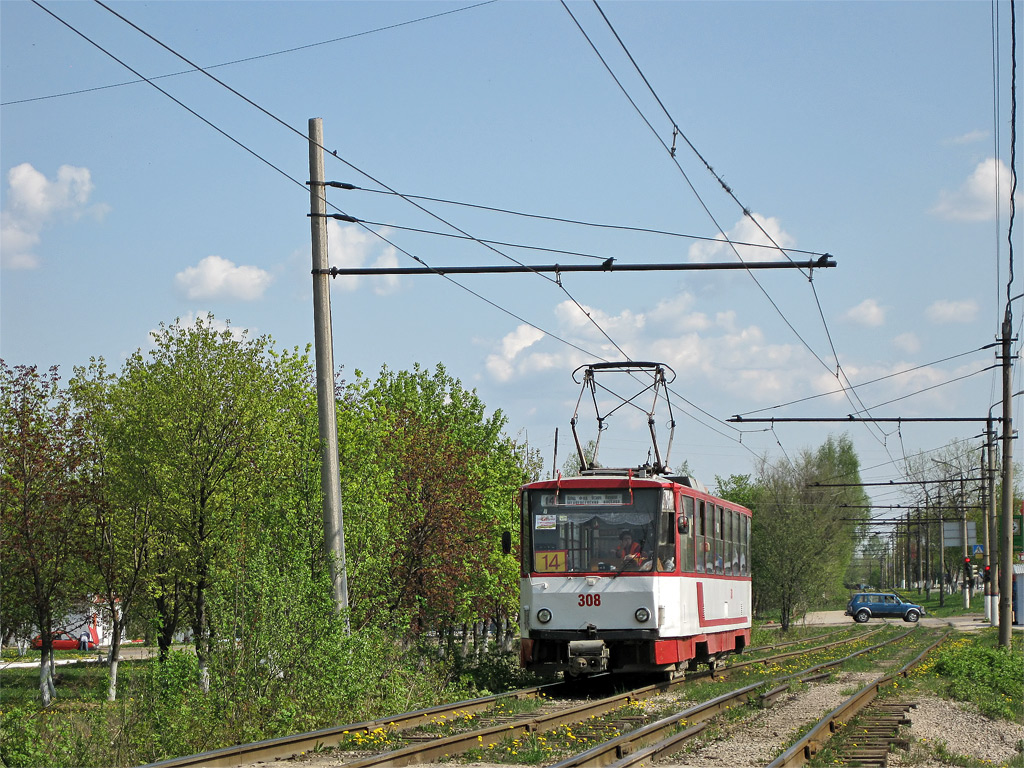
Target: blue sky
x=866, y=130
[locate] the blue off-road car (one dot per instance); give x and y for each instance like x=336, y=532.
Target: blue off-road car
x=882, y=605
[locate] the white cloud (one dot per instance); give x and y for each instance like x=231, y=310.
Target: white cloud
x=946, y=311
x=907, y=342
x=978, y=198
x=867, y=313
x=705, y=349
x=385, y=284
x=676, y=313
x=33, y=202
x=745, y=231
x=585, y=320
x=502, y=364
x=352, y=247
x=218, y=278
x=971, y=137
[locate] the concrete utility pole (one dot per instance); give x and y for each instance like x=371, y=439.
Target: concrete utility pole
x=323, y=346
x=942, y=555
x=968, y=580
x=1006, y=540
x=988, y=471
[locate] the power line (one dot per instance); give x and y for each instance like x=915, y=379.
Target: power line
x=430, y=213
x=873, y=381
x=839, y=373
x=928, y=389
x=180, y=103
x=250, y=58
x=303, y=185
x=415, y=204
x=561, y=220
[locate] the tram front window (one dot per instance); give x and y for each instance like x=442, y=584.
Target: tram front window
x=581, y=531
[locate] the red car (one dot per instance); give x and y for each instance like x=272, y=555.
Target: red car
x=65, y=641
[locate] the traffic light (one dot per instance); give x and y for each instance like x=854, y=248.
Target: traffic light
x=967, y=567
x=987, y=574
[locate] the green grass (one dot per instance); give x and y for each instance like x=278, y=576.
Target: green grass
x=971, y=668
x=77, y=684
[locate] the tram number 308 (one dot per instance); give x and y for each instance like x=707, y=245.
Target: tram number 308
x=589, y=600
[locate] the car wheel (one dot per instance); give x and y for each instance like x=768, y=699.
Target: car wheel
x=912, y=616
x=861, y=616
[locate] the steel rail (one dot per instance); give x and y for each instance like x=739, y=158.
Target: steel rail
x=793, y=642
x=285, y=747
x=789, y=654
x=808, y=746
x=651, y=741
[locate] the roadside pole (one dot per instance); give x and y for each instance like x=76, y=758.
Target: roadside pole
x=330, y=481
x=1006, y=539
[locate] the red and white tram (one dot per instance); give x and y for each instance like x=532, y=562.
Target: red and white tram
x=630, y=570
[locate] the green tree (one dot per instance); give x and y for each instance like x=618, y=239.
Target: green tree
x=802, y=540
x=205, y=402
x=120, y=530
x=44, y=495
x=436, y=489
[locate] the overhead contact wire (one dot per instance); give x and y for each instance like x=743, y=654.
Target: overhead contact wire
x=358, y=170
x=840, y=374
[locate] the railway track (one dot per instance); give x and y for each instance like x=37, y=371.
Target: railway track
x=872, y=726
x=485, y=729
x=671, y=734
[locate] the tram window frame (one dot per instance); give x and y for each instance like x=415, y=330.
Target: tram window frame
x=686, y=540
x=525, y=534
x=712, y=545
x=749, y=530
x=719, y=539
x=665, y=557
x=741, y=543
x=727, y=537
x=701, y=534
x=736, y=528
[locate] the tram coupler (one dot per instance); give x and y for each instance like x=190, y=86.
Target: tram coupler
x=587, y=657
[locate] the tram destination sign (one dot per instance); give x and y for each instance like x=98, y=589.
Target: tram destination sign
x=577, y=499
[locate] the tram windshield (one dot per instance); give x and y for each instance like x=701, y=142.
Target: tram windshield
x=576, y=531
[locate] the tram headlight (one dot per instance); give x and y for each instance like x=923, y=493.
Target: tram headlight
x=543, y=615
x=642, y=615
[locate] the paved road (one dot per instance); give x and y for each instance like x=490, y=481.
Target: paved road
x=966, y=623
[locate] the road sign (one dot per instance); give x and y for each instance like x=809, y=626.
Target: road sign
x=953, y=533
x=978, y=549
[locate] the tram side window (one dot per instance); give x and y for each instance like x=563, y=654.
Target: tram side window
x=686, y=536
x=720, y=542
x=737, y=521
x=723, y=544
x=667, y=533
x=741, y=544
x=746, y=544
x=709, y=555
x=702, y=541
x=526, y=544
x=727, y=537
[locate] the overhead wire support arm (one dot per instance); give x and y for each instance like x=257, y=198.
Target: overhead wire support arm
x=882, y=484
x=889, y=420
x=562, y=268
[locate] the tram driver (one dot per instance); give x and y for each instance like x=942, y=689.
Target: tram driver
x=629, y=552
